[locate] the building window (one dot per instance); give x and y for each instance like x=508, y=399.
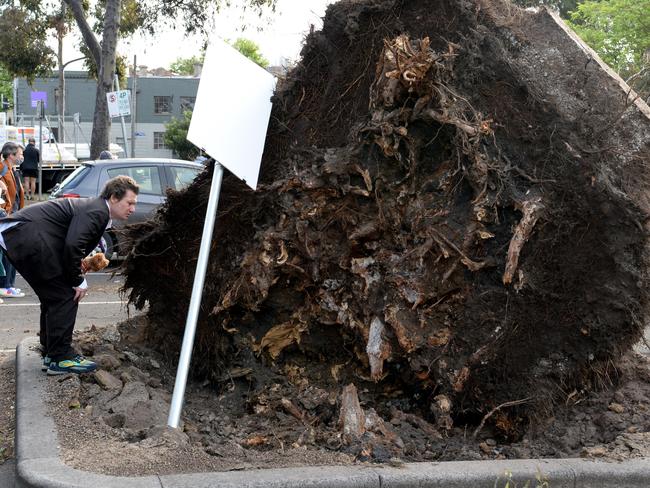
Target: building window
x=162, y=105
x=159, y=140
x=187, y=103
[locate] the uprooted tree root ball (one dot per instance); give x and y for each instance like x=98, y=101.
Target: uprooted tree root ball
x=450, y=228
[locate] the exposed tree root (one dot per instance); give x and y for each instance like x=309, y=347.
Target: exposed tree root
x=398, y=209
x=531, y=209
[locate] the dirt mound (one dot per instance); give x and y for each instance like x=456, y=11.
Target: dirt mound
x=451, y=221
x=119, y=414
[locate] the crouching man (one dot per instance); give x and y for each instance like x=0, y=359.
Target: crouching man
x=46, y=242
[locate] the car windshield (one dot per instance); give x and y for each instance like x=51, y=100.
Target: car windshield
x=75, y=177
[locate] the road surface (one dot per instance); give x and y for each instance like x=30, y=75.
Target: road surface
x=102, y=306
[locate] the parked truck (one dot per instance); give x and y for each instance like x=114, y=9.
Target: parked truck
x=58, y=160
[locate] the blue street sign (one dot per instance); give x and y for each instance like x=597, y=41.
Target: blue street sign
x=35, y=96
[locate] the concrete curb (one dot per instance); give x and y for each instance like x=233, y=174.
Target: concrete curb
x=38, y=464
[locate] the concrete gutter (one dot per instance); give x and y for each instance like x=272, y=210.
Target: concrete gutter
x=38, y=464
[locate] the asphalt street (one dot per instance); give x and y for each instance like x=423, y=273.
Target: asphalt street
x=101, y=306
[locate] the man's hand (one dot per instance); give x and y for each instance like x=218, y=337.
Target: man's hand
x=79, y=293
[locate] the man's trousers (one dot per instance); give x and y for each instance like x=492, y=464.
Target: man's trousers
x=58, y=316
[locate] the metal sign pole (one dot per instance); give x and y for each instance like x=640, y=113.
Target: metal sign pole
x=74, y=131
x=134, y=104
x=195, y=301
x=41, y=112
x=126, y=141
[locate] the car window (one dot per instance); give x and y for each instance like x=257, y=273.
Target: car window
x=182, y=176
x=147, y=177
x=75, y=177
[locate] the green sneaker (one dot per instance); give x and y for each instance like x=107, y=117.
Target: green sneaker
x=77, y=365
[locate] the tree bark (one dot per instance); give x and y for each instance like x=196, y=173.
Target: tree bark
x=60, y=27
x=86, y=32
x=105, y=60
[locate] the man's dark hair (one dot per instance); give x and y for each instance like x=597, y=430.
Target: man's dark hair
x=9, y=148
x=118, y=186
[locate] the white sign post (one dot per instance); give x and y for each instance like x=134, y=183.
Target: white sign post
x=75, y=119
x=229, y=122
x=119, y=103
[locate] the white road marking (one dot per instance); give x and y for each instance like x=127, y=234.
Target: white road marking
x=92, y=273
x=4, y=305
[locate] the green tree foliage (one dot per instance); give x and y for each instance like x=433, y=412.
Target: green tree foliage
x=251, y=50
x=6, y=85
x=185, y=66
x=176, y=137
x=619, y=30
x=23, y=43
x=95, y=19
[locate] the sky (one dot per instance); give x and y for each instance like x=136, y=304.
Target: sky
x=279, y=35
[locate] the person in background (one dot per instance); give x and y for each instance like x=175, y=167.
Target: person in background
x=3, y=192
x=14, y=196
x=106, y=155
x=29, y=168
x=3, y=189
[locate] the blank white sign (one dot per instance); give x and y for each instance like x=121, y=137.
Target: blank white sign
x=232, y=110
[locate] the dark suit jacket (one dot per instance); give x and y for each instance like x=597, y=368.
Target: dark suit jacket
x=52, y=237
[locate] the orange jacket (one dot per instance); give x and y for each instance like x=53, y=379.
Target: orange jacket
x=13, y=189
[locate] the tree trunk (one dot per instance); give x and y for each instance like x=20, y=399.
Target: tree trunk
x=86, y=32
x=61, y=100
x=99, y=140
x=105, y=59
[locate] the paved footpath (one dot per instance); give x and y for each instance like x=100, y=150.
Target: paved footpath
x=19, y=318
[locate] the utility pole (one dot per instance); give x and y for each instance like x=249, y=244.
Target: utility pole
x=41, y=115
x=134, y=103
x=15, y=87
